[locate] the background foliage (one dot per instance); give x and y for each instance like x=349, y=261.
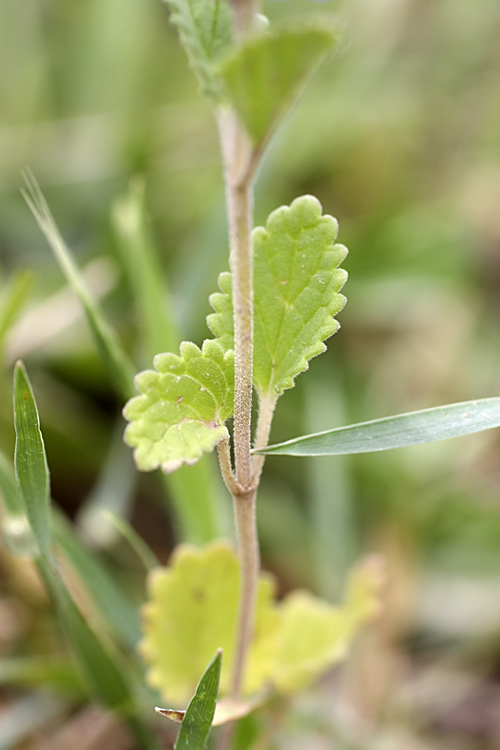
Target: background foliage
x=399, y=137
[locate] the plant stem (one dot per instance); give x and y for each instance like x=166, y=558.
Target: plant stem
x=237, y=152
x=266, y=412
x=240, y=162
x=248, y=550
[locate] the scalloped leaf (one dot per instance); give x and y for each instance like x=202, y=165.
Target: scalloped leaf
x=205, y=30
x=265, y=75
x=193, y=610
x=296, y=293
x=183, y=407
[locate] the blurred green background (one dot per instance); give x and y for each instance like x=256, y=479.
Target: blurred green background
x=399, y=138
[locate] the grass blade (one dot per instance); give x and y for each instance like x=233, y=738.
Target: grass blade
x=127, y=531
x=58, y=673
x=110, y=349
x=200, y=712
x=107, y=594
x=8, y=488
x=13, y=298
x=103, y=673
x=145, y=274
x=402, y=430
x=30, y=461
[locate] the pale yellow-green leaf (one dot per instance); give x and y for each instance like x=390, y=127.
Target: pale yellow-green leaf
x=193, y=610
x=184, y=404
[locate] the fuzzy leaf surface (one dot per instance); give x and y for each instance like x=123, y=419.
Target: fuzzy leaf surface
x=264, y=76
x=296, y=293
x=193, y=609
x=205, y=31
x=184, y=404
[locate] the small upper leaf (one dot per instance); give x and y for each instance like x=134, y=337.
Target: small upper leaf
x=265, y=74
x=296, y=293
x=193, y=610
x=183, y=406
x=204, y=27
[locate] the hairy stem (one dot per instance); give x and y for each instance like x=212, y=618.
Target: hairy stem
x=248, y=548
x=240, y=163
x=236, y=152
x=266, y=412
x=226, y=469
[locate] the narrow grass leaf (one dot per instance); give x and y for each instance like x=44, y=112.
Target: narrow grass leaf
x=110, y=349
x=8, y=488
x=17, y=535
x=200, y=712
x=144, y=271
x=13, y=297
x=127, y=531
x=30, y=461
x=402, y=430
x=59, y=673
x=103, y=673
x=106, y=592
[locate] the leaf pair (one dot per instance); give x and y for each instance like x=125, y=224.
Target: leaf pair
x=193, y=611
x=261, y=77
x=185, y=402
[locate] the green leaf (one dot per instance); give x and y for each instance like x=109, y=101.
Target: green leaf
x=30, y=461
x=264, y=76
x=192, y=612
x=205, y=30
x=101, y=669
x=108, y=345
x=8, y=488
x=296, y=293
x=402, y=430
x=44, y=671
x=194, y=604
x=200, y=712
x=106, y=593
x=192, y=489
x=183, y=408
x=12, y=299
x=146, y=277
x=127, y=531
x=313, y=634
